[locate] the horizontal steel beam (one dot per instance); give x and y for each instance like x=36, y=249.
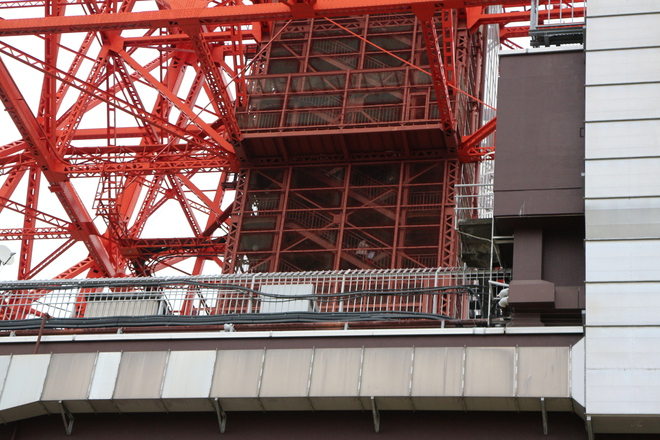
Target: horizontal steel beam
x=226, y=15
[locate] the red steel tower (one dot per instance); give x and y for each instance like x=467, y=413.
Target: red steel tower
x=349, y=151
x=339, y=125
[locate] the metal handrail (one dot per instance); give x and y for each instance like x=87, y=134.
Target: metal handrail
x=474, y=200
x=443, y=293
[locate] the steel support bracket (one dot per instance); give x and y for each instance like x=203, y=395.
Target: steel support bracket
x=469, y=149
x=67, y=418
x=301, y=9
x=221, y=414
x=376, y=414
x=590, y=428
x=544, y=414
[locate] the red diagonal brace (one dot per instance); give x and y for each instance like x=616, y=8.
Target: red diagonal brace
x=468, y=150
x=424, y=13
x=51, y=165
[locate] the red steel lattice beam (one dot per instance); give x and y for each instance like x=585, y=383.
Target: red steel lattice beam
x=438, y=73
x=42, y=151
x=185, y=35
x=227, y=15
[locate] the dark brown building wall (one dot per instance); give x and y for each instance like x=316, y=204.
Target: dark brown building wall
x=563, y=255
x=540, y=143
x=308, y=425
x=538, y=183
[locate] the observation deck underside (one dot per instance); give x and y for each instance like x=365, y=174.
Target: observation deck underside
x=333, y=145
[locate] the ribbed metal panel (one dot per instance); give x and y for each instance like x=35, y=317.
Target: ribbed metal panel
x=139, y=381
x=623, y=218
x=4, y=369
x=490, y=371
x=237, y=378
x=25, y=380
x=622, y=191
x=621, y=139
x=69, y=376
x=622, y=66
x=398, y=378
x=542, y=372
x=620, y=32
x=437, y=372
x=105, y=376
x=615, y=7
x=23, y=386
x=189, y=374
x=608, y=306
x=622, y=261
x=335, y=379
x=286, y=375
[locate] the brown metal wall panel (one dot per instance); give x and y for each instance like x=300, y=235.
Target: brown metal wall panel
x=540, y=143
x=563, y=256
x=528, y=254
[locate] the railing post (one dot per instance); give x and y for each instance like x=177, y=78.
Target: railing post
x=435, y=296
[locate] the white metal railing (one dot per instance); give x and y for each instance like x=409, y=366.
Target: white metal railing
x=556, y=13
x=557, y=22
x=444, y=293
x=474, y=201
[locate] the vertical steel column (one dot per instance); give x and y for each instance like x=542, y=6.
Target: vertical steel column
x=284, y=200
x=231, y=248
x=29, y=222
x=425, y=14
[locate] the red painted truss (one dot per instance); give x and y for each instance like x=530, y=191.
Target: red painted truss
x=124, y=156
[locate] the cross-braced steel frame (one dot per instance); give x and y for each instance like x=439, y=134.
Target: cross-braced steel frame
x=126, y=123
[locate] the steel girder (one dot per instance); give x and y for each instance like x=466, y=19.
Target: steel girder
x=98, y=122
x=137, y=102
x=227, y=15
